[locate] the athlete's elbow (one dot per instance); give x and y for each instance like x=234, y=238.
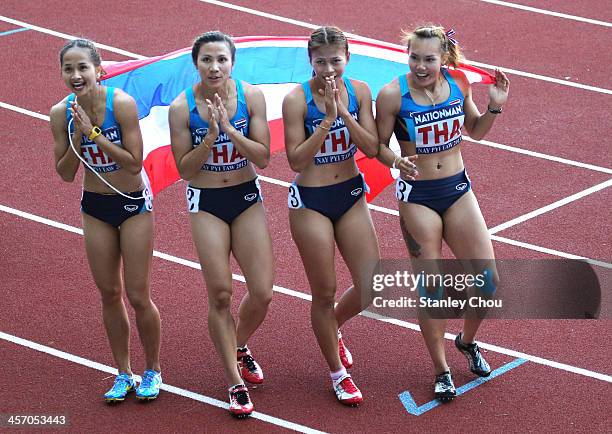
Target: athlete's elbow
x=134, y=169
x=476, y=136
x=186, y=174
x=262, y=162
x=66, y=177
x=296, y=167
x=371, y=151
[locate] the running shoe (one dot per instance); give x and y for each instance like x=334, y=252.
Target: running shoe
x=123, y=385
x=240, y=404
x=149, y=386
x=346, y=391
x=345, y=355
x=444, y=389
x=249, y=369
x=478, y=365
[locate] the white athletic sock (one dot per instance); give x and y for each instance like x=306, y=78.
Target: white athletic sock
x=335, y=376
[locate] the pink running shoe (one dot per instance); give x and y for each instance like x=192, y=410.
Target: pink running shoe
x=345, y=355
x=240, y=402
x=249, y=369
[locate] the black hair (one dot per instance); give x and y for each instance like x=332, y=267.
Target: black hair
x=94, y=54
x=213, y=36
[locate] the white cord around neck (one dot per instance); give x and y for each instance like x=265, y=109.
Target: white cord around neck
x=145, y=193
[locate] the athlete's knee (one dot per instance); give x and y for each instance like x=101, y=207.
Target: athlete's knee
x=220, y=298
x=324, y=298
x=263, y=298
x=110, y=294
x=139, y=300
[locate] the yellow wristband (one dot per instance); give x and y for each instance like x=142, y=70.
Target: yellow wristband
x=95, y=132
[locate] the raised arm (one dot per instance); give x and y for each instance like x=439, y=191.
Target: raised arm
x=129, y=155
x=189, y=160
x=388, y=105
x=301, y=150
x=255, y=147
x=478, y=125
x=363, y=133
x=66, y=161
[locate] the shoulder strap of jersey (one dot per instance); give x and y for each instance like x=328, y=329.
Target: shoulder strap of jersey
x=191, y=103
x=307, y=92
x=110, y=93
x=403, y=82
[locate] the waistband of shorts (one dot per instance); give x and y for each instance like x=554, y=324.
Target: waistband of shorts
x=342, y=184
x=437, y=183
x=135, y=194
x=229, y=187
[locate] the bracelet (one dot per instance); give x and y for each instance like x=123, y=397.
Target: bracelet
x=327, y=125
x=494, y=111
x=395, y=162
x=206, y=145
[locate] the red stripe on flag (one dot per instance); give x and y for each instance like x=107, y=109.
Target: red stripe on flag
x=160, y=168
x=377, y=175
x=277, y=135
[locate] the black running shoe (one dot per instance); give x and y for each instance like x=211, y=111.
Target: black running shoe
x=478, y=365
x=444, y=389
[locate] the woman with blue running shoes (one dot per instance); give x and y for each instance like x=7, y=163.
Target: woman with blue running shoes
x=116, y=207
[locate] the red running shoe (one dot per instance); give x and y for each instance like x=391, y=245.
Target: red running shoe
x=346, y=391
x=240, y=402
x=345, y=355
x=249, y=369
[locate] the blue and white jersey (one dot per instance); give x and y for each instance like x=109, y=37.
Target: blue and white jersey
x=337, y=146
x=432, y=128
x=95, y=157
x=224, y=156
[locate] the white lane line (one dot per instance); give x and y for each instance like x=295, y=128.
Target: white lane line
x=376, y=41
x=307, y=297
x=24, y=111
x=311, y=26
x=551, y=206
x=549, y=251
x=167, y=387
x=540, y=155
x=394, y=212
x=547, y=12
x=66, y=36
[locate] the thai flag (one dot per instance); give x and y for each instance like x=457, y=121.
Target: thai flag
x=275, y=64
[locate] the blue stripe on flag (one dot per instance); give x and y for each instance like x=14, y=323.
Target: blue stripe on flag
x=158, y=83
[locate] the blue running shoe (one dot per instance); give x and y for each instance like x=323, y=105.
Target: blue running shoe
x=478, y=365
x=123, y=385
x=149, y=386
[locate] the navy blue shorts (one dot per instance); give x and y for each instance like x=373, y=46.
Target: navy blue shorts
x=436, y=194
x=114, y=209
x=226, y=203
x=333, y=201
